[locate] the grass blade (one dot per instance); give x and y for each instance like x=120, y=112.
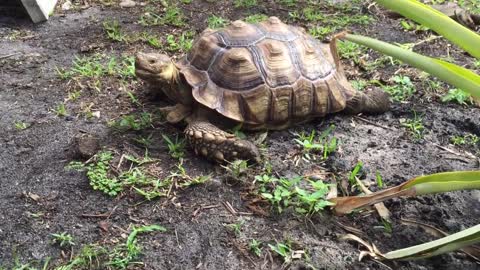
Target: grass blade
x=438, y=22
x=460, y=77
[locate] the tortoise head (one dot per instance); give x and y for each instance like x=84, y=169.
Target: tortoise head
x=155, y=68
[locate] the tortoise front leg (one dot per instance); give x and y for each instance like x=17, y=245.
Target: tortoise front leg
x=215, y=144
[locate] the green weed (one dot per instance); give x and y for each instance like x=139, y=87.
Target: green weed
x=182, y=43
x=411, y=26
x=236, y=227
x=176, y=148
x=172, y=16
x=457, y=95
x=307, y=197
x=61, y=110
x=324, y=144
x=97, y=173
x=138, y=121
x=402, y=90
x=414, y=126
x=288, y=3
x=245, y=3
x=145, y=141
x=237, y=168
x=151, y=40
x=359, y=85
x=282, y=249
x=114, y=32
x=124, y=255
x=255, y=247
x=63, y=239
x=19, y=125
x=350, y=50
x=467, y=139
x=215, y=22
x=256, y=18
x=379, y=179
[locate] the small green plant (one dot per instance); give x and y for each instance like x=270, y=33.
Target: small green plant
x=288, y=3
x=310, y=202
x=145, y=141
x=282, y=249
x=176, y=148
x=74, y=95
x=415, y=126
x=411, y=26
x=402, y=90
x=256, y=18
x=255, y=247
x=97, y=173
x=196, y=181
x=133, y=122
x=237, y=168
x=350, y=50
x=379, y=179
x=312, y=15
x=245, y=3
x=356, y=172
x=468, y=139
x=459, y=96
x=63, y=239
x=151, y=40
x=21, y=125
x=173, y=16
x=359, y=85
x=324, y=144
x=306, y=196
x=124, y=255
x=183, y=43
x=60, y=110
x=236, y=227
x=114, y=32
x=321, y=32
x=215, y=22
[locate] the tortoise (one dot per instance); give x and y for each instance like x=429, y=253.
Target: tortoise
x=268, y=75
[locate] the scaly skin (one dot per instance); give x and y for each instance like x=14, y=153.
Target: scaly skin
x=213, y=143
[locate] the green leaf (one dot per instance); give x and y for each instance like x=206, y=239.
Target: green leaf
x=438, y=22
x=460, y=77
x=443, y=245
x=444, y=182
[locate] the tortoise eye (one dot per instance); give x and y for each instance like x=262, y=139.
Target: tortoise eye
x=151, y=61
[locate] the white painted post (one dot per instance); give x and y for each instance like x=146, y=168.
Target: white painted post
x=39, y=10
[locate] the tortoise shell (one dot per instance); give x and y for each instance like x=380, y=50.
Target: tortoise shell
x=266, y=75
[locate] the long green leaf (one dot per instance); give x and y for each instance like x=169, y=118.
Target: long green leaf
x=438, y=22
x=460, y=77
x=429, y=184
x=446, y=244
x=444, y=182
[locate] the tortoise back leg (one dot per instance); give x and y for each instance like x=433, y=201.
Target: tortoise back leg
x=215, y=144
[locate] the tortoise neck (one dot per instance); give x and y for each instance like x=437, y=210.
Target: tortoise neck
x=180, y=90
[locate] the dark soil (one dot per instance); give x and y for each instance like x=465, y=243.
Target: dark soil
x=38, y=196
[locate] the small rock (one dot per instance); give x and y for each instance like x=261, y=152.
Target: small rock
x=86, y=146
x=67, y=5
x=127, y=3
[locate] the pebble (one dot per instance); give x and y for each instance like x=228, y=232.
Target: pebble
x=127, y=3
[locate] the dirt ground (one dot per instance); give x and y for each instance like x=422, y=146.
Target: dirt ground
x=38, y=196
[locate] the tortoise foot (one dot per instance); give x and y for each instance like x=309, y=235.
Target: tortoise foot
x=215, y=144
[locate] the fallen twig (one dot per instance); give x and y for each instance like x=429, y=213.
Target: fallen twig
x=9, y=55
x=372, y=123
